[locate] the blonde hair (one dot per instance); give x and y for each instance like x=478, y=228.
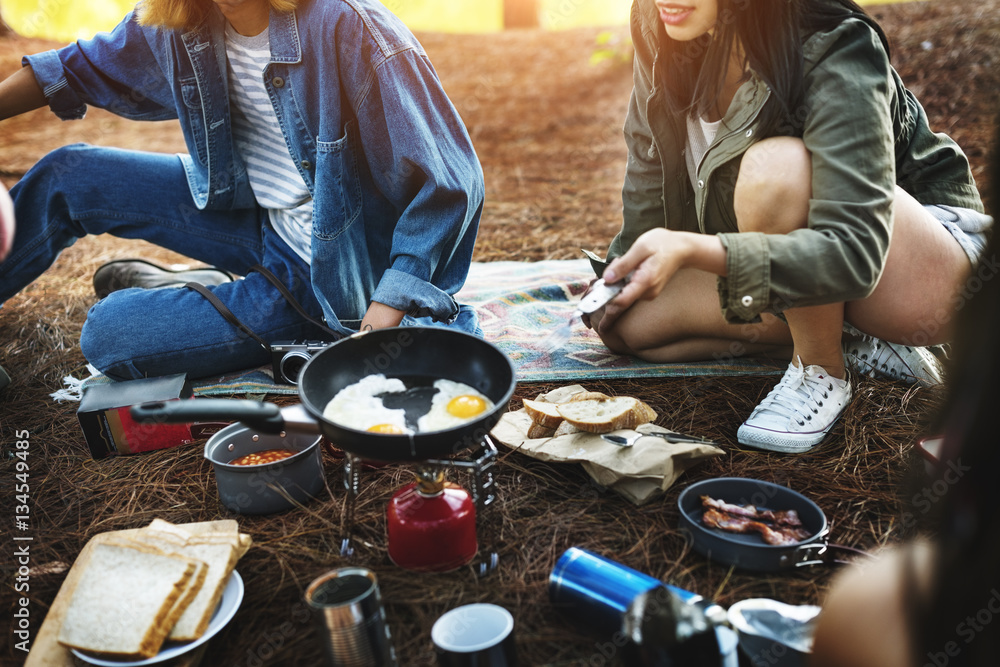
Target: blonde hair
x=188, y=14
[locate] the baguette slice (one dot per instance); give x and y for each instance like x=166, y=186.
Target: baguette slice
x=543, y=413
x=122, y=600
x=604, y=416
x=536, y=431
x=565, y=429
x=588, y=396
x=647, y=413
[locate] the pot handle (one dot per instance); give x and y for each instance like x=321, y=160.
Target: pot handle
x=812, y=553
x=263, y=417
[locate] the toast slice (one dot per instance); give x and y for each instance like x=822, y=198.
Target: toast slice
x=219, y=554
x=604, y=416
x=191, y=588
x=122, y=602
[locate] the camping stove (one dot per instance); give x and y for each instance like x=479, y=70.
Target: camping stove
x=432, y=524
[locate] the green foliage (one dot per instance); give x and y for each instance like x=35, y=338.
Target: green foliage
x=611, y=47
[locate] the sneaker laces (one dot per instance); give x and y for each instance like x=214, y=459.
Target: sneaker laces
x=798, y=396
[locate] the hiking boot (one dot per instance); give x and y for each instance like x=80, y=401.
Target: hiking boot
x=799, y=411
x=123, y=273
x=877, y=358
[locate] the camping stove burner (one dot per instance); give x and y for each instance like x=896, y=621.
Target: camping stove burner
x=479, y=465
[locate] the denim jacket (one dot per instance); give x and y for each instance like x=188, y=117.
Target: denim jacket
x=865, y=132
x=397, y=187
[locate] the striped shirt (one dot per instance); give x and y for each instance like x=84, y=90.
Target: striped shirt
x=274, y=176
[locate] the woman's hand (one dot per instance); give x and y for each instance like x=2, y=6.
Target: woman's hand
x=653, y=260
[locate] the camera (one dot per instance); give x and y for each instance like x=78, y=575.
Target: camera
x=288, y=357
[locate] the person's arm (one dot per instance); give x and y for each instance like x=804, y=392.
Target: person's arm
x=20, y=93
x=431, y=175
x=864, y=619
x=381, y=316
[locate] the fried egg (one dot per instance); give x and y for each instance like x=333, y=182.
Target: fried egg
x=359, y=406
x=454, y=403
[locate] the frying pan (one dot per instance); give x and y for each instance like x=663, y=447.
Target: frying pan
x=416, y=355
x=749, y=551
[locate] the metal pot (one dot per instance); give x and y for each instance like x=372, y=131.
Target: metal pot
x=269, y=487
x=416, y=355
x=749, y=551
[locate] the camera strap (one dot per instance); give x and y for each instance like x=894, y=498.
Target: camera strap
x=280, y=286
x=285, y=293
x=226, y=313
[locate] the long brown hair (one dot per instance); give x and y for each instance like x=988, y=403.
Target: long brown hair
x=188, y=14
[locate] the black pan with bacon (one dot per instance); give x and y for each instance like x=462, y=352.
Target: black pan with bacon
x=752, y=523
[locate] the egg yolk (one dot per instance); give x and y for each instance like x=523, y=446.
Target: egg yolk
x=466, y=406
x=385, y=428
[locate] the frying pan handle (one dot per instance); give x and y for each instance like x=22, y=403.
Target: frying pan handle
x=263, y=417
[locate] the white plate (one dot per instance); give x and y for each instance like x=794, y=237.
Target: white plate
x=232, y=595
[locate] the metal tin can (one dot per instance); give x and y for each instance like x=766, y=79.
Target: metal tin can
x=347, y=606
x=600, y=590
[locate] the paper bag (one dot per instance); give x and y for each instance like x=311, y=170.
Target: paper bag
x=639, y=473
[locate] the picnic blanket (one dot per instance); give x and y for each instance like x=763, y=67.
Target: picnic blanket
x=519, y=304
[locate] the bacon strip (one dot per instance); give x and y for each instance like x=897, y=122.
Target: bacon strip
x=781, y=518
x=740, y=524
x=779, y=528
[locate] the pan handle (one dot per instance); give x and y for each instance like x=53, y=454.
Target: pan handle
x=263, y=417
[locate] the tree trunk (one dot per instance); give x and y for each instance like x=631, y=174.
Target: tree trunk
x=520, y=13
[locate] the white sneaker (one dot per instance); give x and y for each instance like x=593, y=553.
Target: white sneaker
x=877, y=358
x=798, y=412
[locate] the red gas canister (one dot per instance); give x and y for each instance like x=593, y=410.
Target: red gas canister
x=431, y=525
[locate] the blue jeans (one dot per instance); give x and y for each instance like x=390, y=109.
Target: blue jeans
x=80, y=190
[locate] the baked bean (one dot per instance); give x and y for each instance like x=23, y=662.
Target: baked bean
x=260, y=458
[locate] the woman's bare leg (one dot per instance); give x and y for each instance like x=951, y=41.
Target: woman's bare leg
x=772, y=196
x=918, y=295
x=685, y=323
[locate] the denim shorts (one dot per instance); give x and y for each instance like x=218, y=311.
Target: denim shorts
x=969, y=227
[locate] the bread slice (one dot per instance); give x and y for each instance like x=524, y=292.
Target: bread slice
x=565, y=429
x=122, y=600
x=543, y=413
x=536, y=431
x=604, y=416
x=588, y=396
x=192, y=586
x=647, y=414
x=219, y=554
x=220, y=558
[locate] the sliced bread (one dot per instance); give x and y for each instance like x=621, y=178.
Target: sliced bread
x=536, y=430
x=218, y=554
x=543, y=413
x=604, y=416
x=123, y=600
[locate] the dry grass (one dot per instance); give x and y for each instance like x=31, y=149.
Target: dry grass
x=526, y=117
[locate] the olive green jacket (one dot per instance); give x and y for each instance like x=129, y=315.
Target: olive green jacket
x=865, y=132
